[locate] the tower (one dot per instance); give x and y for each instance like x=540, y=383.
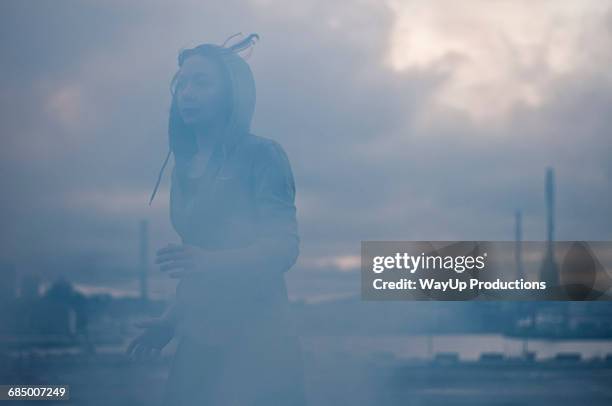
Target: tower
x=144, y=259
x=549, y=272
x=518, y=237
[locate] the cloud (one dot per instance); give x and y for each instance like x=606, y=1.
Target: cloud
x=424, y=122
x=498, y=54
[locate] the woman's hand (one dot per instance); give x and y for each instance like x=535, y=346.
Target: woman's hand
x=180, y=260
x=150, y=342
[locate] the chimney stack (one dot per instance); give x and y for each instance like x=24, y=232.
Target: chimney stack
x=144, y=259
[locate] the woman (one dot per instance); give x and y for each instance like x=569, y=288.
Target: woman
x=232, y=204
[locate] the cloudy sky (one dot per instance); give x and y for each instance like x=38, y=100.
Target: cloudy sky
x=407, y=120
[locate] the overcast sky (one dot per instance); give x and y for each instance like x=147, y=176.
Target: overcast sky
x=406, y=120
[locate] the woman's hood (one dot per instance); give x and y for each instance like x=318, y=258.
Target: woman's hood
x=243, y=94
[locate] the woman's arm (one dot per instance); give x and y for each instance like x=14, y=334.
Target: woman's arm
x=170, y=315
x=156, y=335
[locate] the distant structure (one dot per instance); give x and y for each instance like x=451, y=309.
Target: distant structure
x=8, y=284
x=518, y=239
x=144, y=259
x=549, y=272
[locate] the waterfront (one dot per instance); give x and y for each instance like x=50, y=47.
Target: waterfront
x=354, y=370
x=468, y=347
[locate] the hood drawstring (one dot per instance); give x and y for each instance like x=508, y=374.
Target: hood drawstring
x=248, y=42
x=159, y=177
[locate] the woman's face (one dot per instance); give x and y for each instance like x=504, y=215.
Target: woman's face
x=201, y=92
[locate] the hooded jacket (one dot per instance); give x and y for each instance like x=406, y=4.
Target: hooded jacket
x=243, y=206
